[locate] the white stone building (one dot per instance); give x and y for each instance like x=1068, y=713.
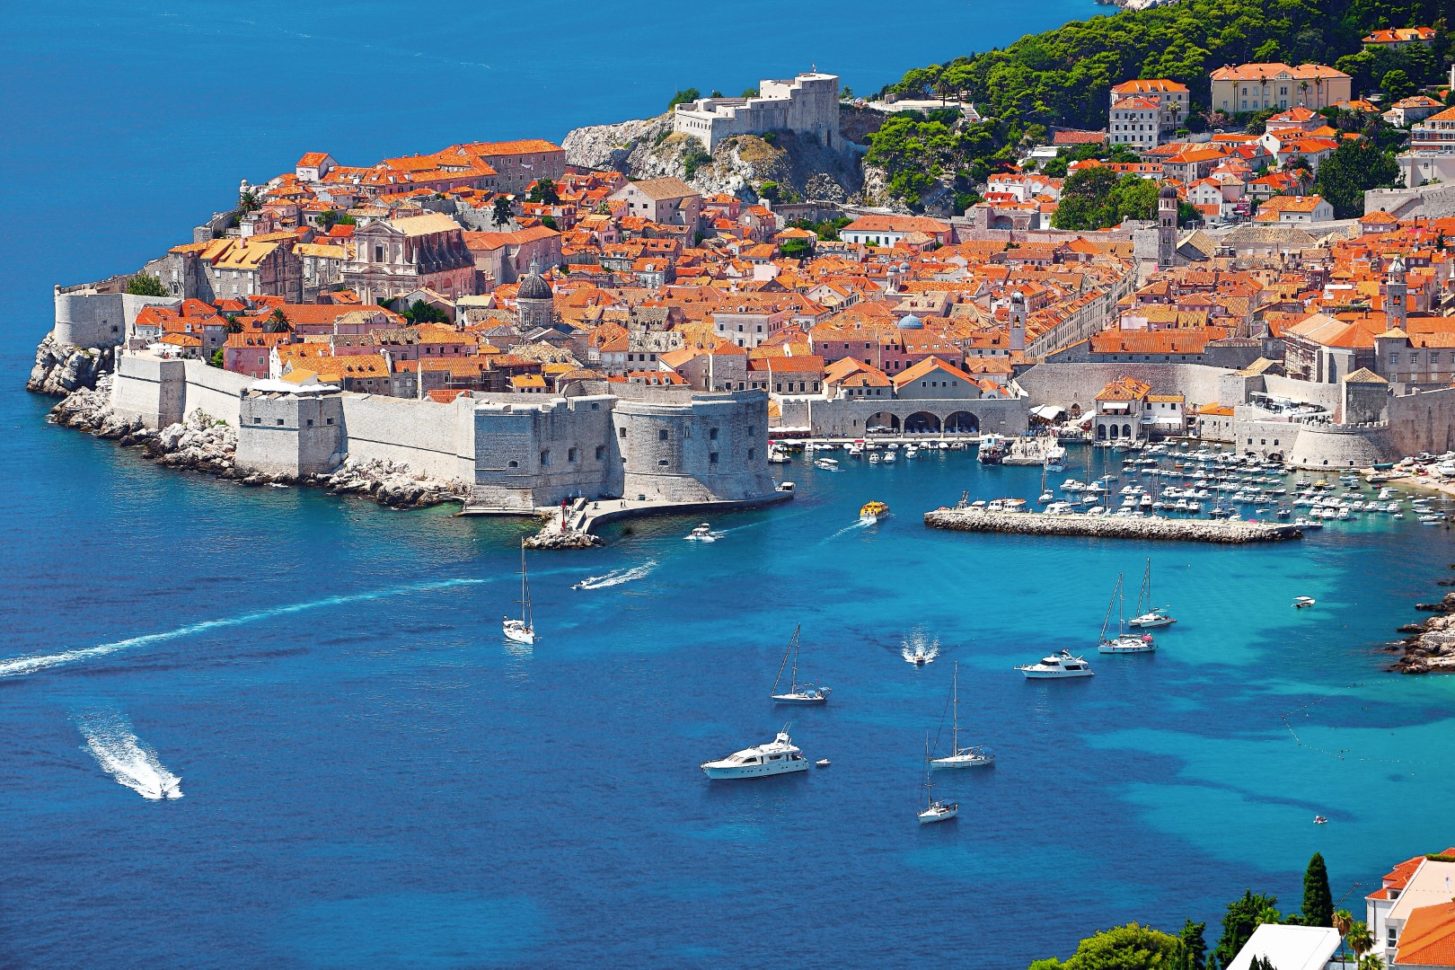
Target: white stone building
x=808, y=105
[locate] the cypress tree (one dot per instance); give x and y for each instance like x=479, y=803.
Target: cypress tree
x=1318, y=901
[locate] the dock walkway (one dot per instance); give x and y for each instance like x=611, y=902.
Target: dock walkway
x=1110, y=526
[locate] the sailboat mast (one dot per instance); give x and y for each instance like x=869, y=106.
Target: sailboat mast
x=955, y=717
x=525, y=611
x=792, y=649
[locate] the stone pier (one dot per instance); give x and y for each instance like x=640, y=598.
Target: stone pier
x=1110, y=526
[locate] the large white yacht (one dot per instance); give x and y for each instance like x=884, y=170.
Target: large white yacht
x=1057, y=665
x=777, y=757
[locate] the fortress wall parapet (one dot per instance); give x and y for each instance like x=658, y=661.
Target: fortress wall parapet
x=291, y=435
x=86, y=318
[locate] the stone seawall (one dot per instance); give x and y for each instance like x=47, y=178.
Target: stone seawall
x=202, y=443
x=1109, y=526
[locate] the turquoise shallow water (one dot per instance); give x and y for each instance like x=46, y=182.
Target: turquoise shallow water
x=372, y=777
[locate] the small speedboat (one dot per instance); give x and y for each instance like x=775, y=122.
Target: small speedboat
x=822, y=763
x=703, y=533
x=1303, y=602
x=827, y=464
x=1320, y=820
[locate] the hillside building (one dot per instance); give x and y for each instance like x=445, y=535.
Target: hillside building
x=806, y=105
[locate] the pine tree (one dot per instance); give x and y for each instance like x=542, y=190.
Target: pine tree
x=1194, y=946
x=1318, y=901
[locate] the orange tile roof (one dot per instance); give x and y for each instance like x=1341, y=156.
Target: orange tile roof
x=1428, y=937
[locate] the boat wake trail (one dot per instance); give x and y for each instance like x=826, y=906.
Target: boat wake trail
x=20, y=666
x=116, y=749
x=919, y=650
x=858, y=524
x=618, y=576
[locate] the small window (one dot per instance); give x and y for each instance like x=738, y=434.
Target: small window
x=600, y=452
x=571, y=454
x=546, y=458
x=257, y=420
x=513, y=464
x=750, y=454
x=662, y=435
x=280, y=422
x=623, y=432
x=711, y=434
x=310, y=422
x=712, y=458
x=661, y=463
x=328, y=421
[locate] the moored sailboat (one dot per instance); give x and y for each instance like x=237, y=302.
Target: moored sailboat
x=522, y=629
x=797, y=693
x=973, y=756
x=1123, y=642
x=935, y=810
x=1148, y=616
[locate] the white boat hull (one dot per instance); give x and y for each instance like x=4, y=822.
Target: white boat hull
x=518, y=632
x=819, y=698
x=939, y=813
x=1054, y=674
x=955, y=761
x=1127, y=647
x=720, y=772
x=1150, y=622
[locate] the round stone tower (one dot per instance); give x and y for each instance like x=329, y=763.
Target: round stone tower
x=534, y=302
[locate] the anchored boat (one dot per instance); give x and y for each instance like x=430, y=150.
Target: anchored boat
x=974, y=756
x=873, y=512
x=797, y=693
x=522, y=629
x=778, y=757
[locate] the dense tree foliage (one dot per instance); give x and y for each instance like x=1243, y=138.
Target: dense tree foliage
x=1130, y=947
x=543, y=190
x=683, y=96
x=1098, y=198
x=1194, y=946
x=1318, y=901
x=1353, y=167
x=145, y=284
x=1063, y=77
x=1243, y=917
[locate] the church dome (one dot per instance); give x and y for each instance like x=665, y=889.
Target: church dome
x=911, y=322
x=534, y=286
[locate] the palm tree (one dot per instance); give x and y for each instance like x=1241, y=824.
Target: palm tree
x=1359, y=939
x=1371, y=962
x=1343, y=919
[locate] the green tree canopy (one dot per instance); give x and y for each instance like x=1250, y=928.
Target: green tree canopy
x=683, y=96
x=1194, y=946
x=501, y=211
x=145, y=284
x=277, y=322
x=1352, y=168
x=543, y=190
x=1129, y=947
x=1318, y=901
x=1243, y=916
x=1396, y=84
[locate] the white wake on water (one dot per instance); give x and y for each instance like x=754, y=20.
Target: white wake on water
x=858, y=524
x=618, y=576
x=919, y=650
x=20, y=666
x=120, y=754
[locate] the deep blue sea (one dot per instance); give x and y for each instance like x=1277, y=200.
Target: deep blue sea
x=370, y=777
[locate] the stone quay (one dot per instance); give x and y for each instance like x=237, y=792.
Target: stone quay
x=1109, y=526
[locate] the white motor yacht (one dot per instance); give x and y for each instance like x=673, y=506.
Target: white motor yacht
x=702, y=533
x=1056, y=666
x=778, y=757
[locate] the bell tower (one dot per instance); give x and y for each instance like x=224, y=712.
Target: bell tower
x=1166, y=227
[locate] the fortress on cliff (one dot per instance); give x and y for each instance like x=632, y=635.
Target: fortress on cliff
x=806, y=105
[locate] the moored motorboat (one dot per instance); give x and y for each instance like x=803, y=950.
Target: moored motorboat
x=1303, y=602
x=1057, y=666
x=778, y=757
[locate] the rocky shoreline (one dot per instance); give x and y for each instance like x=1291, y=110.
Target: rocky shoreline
x=61, y=368
x=1430, y=647
x=203, y=444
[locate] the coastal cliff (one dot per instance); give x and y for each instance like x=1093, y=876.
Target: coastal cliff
x=1431, y=647
x=800, y=167
x=61, y=368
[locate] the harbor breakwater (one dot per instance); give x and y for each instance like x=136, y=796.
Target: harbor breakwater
x=1109, y=526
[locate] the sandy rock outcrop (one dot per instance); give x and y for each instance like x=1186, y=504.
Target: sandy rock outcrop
x=1431, y=647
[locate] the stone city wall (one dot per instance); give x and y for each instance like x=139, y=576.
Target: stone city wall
x=291, y=435
x=434, y=439
x=530, y=454
x=848, y=417
x=1068, y=384
x=160, y=392
x=1422, y=422
x=89, y=319
x=1327, y=396
x=715, y=448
